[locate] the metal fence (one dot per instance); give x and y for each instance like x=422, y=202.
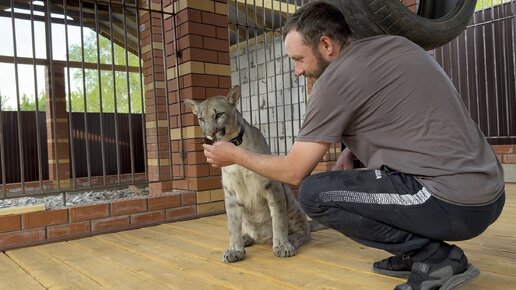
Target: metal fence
x=72, y=68
x=36, y=163
x=481, y=63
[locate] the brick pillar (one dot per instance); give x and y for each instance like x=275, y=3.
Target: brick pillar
x=203, y=71
x=57, y=128
x=156, y=118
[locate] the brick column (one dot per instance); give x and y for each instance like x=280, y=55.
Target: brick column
x=57, y=128
x=156, y=118
x=200, y=68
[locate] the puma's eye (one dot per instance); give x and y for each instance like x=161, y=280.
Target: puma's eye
x=201, y=120
x=219, y=115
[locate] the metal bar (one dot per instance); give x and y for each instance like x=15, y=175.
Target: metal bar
x=298, y=87
x=275, y=80
x=182, y=150
x=115, y=101
x=290, y=89
x=129, y=99
x=495, y=74
x=142, y=97
x=488, y=128
x=250, y=81
x=258, y=97
x=167, y=101
x=477, y=81
x=269, y=134
x=71, y=64
x=466, y=53
x=505, y=71
x=38, y=133
x=102, y=147
x=50, y=57
x=18, y=113
x=513, y=37
x=237, y=48
x=70, y=119
x=283, y=85
x=85, y=114
x=2, y=152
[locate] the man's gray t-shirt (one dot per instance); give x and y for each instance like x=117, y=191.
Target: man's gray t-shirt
x=391, y=104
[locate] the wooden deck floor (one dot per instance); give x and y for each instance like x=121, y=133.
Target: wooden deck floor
x=188, y=255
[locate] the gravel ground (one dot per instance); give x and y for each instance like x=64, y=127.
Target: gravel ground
x=74, y=198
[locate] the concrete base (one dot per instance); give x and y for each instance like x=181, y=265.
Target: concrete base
x=509, y=172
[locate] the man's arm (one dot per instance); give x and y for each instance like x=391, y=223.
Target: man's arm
x=291, y=169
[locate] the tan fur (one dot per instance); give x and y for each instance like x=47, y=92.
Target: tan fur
x=259, y=210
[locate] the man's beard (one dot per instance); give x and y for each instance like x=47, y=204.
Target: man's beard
x=322, y=64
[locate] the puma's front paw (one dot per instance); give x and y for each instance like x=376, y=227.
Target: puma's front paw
x=285, y=250
x=231, y=256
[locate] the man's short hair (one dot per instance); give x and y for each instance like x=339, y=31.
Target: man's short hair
x=317, y=19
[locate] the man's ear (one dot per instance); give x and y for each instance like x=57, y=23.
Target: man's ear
x=193, y=104
x=327, y=46
x=233, y=96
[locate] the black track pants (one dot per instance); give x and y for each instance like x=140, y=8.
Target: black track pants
x=390, y=210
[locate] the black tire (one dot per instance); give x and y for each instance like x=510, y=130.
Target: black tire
x=436, y=23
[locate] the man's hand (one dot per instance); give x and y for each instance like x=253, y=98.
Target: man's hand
x=220, y=154
x=345, y=161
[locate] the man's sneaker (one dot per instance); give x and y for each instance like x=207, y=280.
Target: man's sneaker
x=395, y=266
x=451, y=273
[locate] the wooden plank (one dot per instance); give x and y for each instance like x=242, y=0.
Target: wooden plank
x=486, y=257
x=101, y=270
x=172, y=272
x=50, y=272
x=22, y=209
x=309, y=272
x=196, y=262
x=14, y=277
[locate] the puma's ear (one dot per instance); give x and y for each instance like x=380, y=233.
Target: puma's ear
x=233, y=96
x=193, y=104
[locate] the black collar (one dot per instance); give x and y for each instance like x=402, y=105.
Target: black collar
x=239, y=139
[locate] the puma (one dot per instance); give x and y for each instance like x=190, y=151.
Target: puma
x=259, y=210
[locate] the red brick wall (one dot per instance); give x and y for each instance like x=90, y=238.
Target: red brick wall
x=506, y=153
x=27, y=229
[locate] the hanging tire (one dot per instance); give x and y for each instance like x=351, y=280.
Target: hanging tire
x=435, y=23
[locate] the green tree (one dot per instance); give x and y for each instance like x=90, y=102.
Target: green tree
x=27, y=104
x=89, y=90
x=484, y=4
x=3, y=103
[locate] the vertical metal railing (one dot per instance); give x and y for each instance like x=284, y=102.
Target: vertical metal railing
x=57, y=17
x=18, y=115
x=484, y=70
x=261, y=65
x=115, y=100
x=73, y=176
x=85, y=101
x=129, y=100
